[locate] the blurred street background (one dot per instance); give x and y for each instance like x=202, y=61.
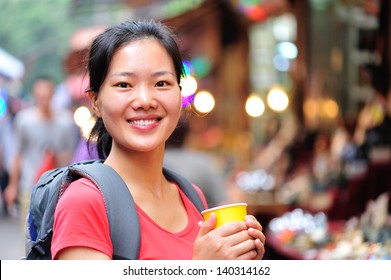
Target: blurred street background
x=11, y=241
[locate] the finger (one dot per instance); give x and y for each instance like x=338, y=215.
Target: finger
x=250, y=255
x=237, y=238
x=260, y=248
x=208, y=225
x=232, y=228
x=251, y=221
x=257, y=234
x=254, y=250
x=246, y=249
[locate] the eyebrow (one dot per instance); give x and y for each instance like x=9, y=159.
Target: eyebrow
x=131, y=74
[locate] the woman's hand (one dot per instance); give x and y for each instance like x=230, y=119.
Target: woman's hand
x=232, y=241
x=255, y=231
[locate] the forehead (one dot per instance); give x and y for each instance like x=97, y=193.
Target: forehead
x=40, y=84
x=142, y=48
x=43, y=82
x=142, y=55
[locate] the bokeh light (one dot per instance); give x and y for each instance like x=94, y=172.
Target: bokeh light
x=188, y=68
x=187, y=100
x=255, y=106
x=287, y=49
x=253, y=10
x=3, y=102
x=201, y=66
x=277, y=99
x=320, y=107
x=81, y=116
x=87, y=127
x=285, y=28
x=330, y=108
x=204, y=102
x=281, y=63
x=189, y=85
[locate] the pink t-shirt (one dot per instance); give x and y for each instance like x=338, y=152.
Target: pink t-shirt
x=80, y=221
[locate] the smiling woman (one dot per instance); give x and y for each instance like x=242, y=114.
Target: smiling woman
x=139, y=102
x=135, y=70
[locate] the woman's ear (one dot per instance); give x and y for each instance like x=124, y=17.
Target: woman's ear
x=94, y=102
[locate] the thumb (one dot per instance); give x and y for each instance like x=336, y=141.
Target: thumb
x=208, y=225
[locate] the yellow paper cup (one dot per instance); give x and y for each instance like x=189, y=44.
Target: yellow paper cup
x=227, y=213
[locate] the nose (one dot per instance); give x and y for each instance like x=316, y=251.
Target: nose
x=144, y=98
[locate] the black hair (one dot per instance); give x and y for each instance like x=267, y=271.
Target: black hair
x=102, y=51
x=44, y=77
x=178, y=137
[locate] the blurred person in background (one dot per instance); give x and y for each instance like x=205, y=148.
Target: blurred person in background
x=44, y=139
x=85, y=151
x=200, y=168
x=6, y=151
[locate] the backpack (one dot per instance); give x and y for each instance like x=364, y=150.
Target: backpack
x=120, y=207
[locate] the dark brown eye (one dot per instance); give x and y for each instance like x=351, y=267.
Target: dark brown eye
x=123, y=85
x=161, y=84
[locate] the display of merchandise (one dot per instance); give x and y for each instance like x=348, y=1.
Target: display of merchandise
x=312, y=236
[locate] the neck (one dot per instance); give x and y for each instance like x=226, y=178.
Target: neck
x=46, y=113
x=142, y=172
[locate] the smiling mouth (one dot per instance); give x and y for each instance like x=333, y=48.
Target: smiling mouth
x=144, y=122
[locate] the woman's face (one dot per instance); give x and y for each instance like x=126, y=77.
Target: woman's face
x=140, y=99
x=43, y=91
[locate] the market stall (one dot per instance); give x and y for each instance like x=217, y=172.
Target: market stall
x=300, y=235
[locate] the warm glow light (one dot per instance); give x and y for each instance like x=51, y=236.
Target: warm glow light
x=81, y=115
x=277, y=99
x=310, y=108
x=330, y=108
x=204, y=102
x=189, y=85
x=320, y=108
x=87, y=127
x=255, y=106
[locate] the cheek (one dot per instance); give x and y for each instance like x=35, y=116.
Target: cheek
x=173, y=108
x=111, y=120
x=177, y=111
x=108, y=110
x=177, y=107
x=171, y=101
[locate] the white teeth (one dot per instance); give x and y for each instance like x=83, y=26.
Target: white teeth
x=143, y=122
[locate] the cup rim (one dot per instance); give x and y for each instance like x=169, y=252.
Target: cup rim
x=224, y=206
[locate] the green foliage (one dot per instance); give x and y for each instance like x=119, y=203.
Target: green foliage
x=36, y=32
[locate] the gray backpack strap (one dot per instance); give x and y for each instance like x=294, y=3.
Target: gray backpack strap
x=186, y=187
x=120, y=207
